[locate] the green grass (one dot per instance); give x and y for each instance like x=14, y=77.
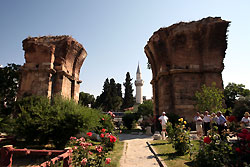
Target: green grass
x=116, y=154
x=167, y=153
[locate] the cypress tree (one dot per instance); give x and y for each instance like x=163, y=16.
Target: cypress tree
x=128, y=100
x=109, y=99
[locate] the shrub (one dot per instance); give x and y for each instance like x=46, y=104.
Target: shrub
x=87, y=153
x=180, y=138
x=129, y=118
x=214, y=151
x=40, y=121
x=146, y=108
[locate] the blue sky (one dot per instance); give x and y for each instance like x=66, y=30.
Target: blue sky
x=114, y=33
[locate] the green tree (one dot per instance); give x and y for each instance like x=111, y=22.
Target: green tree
x=241, y=106
x=146, y=108
x=233, y=91
x=85, y=99
x=9, y=83
x=209, y=98
x=119, y=90
x=109, y=98
x=116, y=100
x=128, y=100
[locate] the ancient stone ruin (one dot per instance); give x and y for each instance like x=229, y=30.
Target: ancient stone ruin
x=52, y=66
x=183, y=57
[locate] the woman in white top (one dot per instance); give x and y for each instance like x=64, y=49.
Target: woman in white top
x=246, y=120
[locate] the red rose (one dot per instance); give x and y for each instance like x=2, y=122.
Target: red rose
x=248, y=137
x=89, y=134
x=102, y=135
x=238, y=149
x=245, y=131
x=112, y=139
x=207, y=140
x=108, y=160
x=103, y=130
x=231, y=118
x=242, y=135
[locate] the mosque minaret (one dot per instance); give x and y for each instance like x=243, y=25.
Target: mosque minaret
x=138, y=83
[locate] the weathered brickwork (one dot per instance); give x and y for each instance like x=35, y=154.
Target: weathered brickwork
x=52, y=66
x=183, y=57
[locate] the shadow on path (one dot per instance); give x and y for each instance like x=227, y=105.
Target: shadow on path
x=131, y=137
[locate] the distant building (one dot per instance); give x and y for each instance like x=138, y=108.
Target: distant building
x=138, y=83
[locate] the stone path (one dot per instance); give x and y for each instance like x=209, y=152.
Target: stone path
x=136, y=152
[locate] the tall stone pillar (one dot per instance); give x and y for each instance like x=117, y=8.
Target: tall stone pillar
x=183, y=57
x=52, y=66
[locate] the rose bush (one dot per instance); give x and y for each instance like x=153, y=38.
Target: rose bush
x=86, y=153
x=217, y=150
x=179, y=137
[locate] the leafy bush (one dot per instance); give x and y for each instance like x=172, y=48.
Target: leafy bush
x=180, y=137
x=129, y=118
x=146, y=108
x=88, y=153
x=215, y=151
x=40, y=121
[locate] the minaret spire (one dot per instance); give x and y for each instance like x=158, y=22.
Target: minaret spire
x=139, y=83
x=138, y=69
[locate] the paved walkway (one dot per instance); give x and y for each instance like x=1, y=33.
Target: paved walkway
x=136, y=152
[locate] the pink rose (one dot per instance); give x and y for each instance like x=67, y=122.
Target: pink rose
x=84, y=161
x=108, y=160
x=99, y=148
x=72, y=138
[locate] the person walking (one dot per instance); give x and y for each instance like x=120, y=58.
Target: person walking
x=163, y=120
x=198, y=123
x=206, y=121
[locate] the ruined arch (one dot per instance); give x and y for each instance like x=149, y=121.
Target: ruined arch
x=183, y=57
x=52, y=66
